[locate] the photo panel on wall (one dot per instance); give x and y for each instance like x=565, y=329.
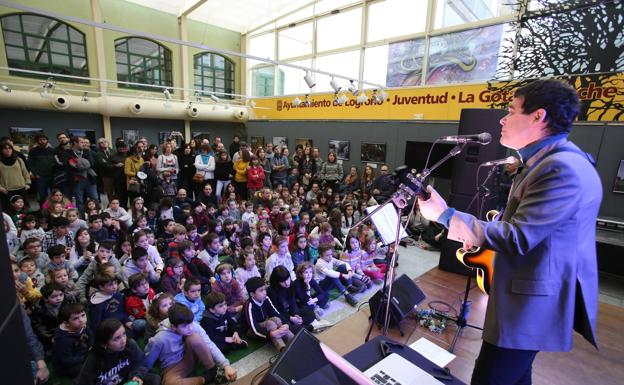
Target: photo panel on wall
x=130, y=136
x=281, y=141
x=257, y=141
x=618, y=186
x=341, y=148
x=304, y=142
x=373, y=152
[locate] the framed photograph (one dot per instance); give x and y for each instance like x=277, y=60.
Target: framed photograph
x=89, y=134
x=305, y=142
x=618, y=186
x=177, y=136
x=341, y=148
x=373, y=152
x=130, y=136
x=281, y=141
x=257, y=141
x=24, y=136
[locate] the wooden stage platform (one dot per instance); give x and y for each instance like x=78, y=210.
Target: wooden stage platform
x=583, y=365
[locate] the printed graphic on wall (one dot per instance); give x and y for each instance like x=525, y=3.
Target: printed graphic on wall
x=130, y=136
x=257, y=141
x=618, y=186
x=304, y=142
x=341, y=148
x=24, y=136
x=373, y=153
x=176, y=136
x=281, y=141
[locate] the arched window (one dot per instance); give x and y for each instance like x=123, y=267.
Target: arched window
x=41, y=43
x=214, y=73
x=143, y=61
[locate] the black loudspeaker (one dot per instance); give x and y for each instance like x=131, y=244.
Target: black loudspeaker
x=463, y=180
x=405, y=296
x=304, y=363
x=476, y=121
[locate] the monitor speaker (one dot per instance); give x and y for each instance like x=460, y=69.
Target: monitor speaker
x=405, y=296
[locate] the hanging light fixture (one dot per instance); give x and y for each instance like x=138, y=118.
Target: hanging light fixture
x=362, y=97
x=85, y=96
x=214, y=97
x=47, y=86
x=353, y=89
x=334, y=85
x=5, y=88
x=167, y=103
x=296, y=101
x=340, y=99
x=309, y=81
x=197, y=96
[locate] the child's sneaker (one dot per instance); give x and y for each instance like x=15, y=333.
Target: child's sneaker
x=351, y=300
x=318, y=313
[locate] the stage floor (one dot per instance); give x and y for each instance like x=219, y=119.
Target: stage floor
x=583, y=365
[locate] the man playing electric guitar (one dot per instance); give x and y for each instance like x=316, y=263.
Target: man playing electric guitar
x=545, y=282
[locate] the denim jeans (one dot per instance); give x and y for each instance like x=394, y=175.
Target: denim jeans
x=42, y=186
x=221, y=186
x=329, y=282
x=138, y=326
x=84, y=189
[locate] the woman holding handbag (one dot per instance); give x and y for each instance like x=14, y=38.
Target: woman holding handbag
x=205, y=166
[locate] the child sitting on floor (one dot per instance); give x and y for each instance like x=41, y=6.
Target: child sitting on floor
x=230, y=288
x=191, y=298
x=173, y=278
x=308, y=292
x=329, y=271
x=247, y=268
x=280, y=257
x=72, y=340
x=138, y=299
x=44, y=317
x=179, y=343
x=220, y=325
x=157, y=312
x=107, y=302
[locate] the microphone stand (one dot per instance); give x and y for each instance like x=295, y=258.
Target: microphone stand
x=461, y=320
x=400, y=201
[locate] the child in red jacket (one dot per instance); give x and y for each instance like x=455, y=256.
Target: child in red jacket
x=138, y=299
x=255, y=176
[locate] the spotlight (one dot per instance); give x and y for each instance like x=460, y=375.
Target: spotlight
x=362, y=98
x=198, y=96
x=48, y=85
x=309, y=81
x=353, y=89
x=307, y=102
x=334, y=85
x=85, y=96
x=214, y=98
x=296, y=101
x=5, y=88
x=167, y=94
x=378, y=97
x=340, y=100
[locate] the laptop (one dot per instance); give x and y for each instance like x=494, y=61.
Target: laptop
x=392, y=370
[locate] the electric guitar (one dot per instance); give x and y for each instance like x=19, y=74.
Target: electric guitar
x=482, y=260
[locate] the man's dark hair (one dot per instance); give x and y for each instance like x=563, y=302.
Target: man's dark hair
x=55, y=250
x=558, y=98
x=213, y=299
x=180, y=314
x=138, y=252
x=68, y=310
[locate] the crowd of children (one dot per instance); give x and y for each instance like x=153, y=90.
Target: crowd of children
x=193, y=278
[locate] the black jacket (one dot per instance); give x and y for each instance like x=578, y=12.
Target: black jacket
x=224, y=170
x=219, y=327
x=41, y=161
x=103, y=368
x=70, y=349
x=254, y=314
x=301, y=291
x=284, y=300
x=44, y=323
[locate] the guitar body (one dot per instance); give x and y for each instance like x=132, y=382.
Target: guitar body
x=480, y=259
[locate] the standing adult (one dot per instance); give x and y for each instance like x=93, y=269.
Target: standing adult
x=279, y=168
x=234, y=146
x=79, y=165
x=104, y=168
x=316, y=157
x=132, y=166
x=224, y=172
x=266, y=165
x=186, y=158
x=151, y=156
x=117, y=161
x=331, y=172
x=41, y=163
x=205, y=165
x=60, y=177
x=168, y=161
x=545, y=270
x=240, y=168
x=14, y=176
x=307, y=167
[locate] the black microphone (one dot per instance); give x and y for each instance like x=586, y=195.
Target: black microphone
x=482, y=138
x=507, y=160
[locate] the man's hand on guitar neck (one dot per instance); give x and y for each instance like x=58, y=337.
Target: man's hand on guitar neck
x=433, y=207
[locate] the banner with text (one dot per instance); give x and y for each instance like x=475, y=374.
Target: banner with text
x=601, y=99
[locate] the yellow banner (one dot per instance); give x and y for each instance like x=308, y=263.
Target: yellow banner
x=600, y=97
